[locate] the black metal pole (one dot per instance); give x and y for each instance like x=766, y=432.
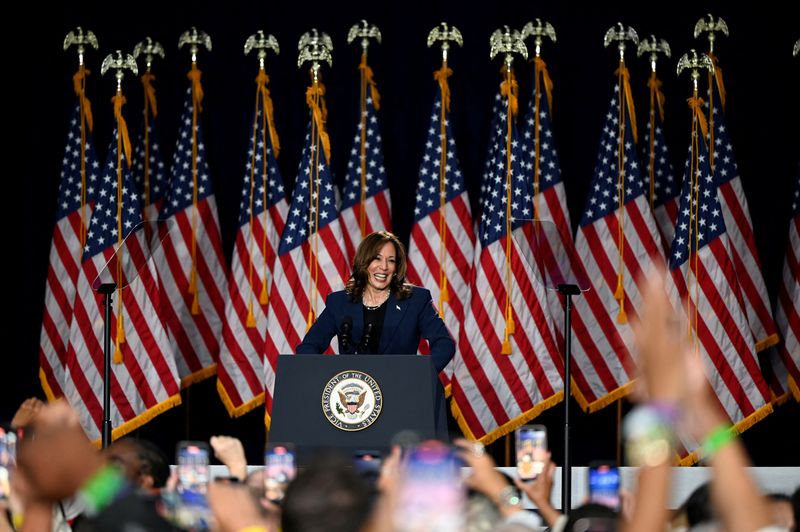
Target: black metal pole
x=568, y=290
x=107, y=289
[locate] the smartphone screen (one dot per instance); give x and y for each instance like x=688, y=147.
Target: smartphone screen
x=279, y=469
x=531, y=451
x=604, y=484
x=432, y=495
x=193, y=471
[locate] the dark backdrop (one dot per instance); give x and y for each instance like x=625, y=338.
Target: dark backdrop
x=762, y=112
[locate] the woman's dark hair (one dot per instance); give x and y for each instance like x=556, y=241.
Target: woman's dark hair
x=366, y=253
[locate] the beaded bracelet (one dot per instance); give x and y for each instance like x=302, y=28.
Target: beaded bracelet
x=717, y=439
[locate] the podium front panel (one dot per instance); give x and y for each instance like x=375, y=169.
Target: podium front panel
x=406, y=396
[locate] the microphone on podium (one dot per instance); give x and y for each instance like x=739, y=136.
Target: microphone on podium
x=344, y=335
x=365, y=340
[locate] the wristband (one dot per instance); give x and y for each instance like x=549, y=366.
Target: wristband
x=102, y=488
x=508, y=496
x=717, y=439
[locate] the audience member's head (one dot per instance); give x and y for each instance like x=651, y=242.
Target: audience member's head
x=327, y=496
x=592, y=517
x=796, y=508
x=144, y=464
x=782, y=510
x=699, y=508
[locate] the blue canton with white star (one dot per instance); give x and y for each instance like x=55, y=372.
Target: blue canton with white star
x=274, y=181
x=708, y=212
x=103, y=229
x=158, y=170
x=604, y=189
x=375, y=175
x=182, y=186
x=493, y=219
x=428, y=189
x=296, y=231
x=69, y=188
x=665, y=185
x=549, y=167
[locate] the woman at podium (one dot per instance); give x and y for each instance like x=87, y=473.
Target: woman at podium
x=378, y=312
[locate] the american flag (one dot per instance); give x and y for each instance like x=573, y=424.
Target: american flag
x=496, y=138
x=549, y=196
x=740, y=228
x=704, y=283
x=145, y=382
x=190, y=263
x=616, y=244
x=76, y=197
x=149, y=171
x=262, y=217
x=786, y=358
x=494, y=392
x=373, y=212
x=442, y=242
x=664, y=190
x=311, y=262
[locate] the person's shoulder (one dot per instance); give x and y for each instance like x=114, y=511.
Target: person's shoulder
x=418, y=292
x=338, y=297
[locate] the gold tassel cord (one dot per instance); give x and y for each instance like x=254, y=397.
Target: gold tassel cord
x=625, y=103
x=197, y=98
x=150, y=107
x=441, y=76
x=625, y=84
x=315, y=98
x=79, y=86
x=509, y=89
x=123, y=143
x=267, y=120
x=319, y=139
x=362, y=213
x=262, y=80
x=250, y=322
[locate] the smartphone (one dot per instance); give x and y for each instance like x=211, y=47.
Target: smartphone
x=280, y=467
x=604, y=484
x=432, y=495
x=192, y=458
x=531, y=451
x=367, y=463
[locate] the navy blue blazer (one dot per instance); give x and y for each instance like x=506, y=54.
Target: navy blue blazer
x=405, y=322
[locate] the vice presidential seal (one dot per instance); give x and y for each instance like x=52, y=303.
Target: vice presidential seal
x=352, y=400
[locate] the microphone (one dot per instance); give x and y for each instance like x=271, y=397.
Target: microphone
x=344, y=334
x=365, y=340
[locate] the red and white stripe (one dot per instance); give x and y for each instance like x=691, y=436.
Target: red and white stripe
x=425, y=263
x=195, y=338
x=601, y=350
x=146, y=382
x=666, y=216
x=786, y=358
x=744, y=255
x=241, y=359
x=290, y=296
x=722, y=334
x=378, y=217
x=493, y=393
x=62, y=276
